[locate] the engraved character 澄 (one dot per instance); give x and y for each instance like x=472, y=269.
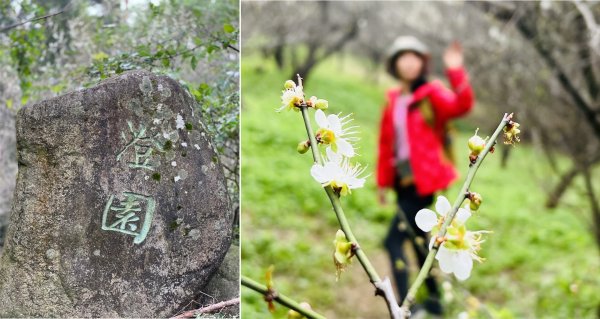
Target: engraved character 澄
x=143, y=146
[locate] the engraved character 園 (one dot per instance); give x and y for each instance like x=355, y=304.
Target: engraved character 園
x=132, y=216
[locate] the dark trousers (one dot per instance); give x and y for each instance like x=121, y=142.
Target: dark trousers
x=410, y=203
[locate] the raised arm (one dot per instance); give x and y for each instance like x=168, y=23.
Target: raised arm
x=458, y=101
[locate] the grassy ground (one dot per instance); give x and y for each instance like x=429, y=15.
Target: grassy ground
x=540, y=263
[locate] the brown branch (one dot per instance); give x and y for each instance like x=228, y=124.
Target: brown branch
x=208, y=309
x=313, y=46
x=591, y=24
x=523, y=24
x=566, y=180
x=585, y=55
x=595, y=206
x=12, y=26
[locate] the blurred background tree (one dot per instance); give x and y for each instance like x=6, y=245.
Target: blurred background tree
x=538, y=59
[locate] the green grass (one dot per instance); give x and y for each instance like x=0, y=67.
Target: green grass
x=540, y=263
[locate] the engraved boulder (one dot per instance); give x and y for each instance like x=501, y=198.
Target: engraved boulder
x=120, y=207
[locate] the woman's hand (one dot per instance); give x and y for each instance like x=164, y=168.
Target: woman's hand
x=381, y=196
x=453, y=57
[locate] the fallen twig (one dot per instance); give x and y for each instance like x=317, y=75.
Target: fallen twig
x=208, y=309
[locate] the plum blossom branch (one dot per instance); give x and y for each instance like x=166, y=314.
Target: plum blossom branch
x=273, y=295
x=511, y=131
x=382, y=287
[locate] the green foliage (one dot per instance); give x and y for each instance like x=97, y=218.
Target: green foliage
x=540, y=263
x=172, y=38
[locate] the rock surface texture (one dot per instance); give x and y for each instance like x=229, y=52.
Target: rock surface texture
x=225, y=284
x=120, y=208
x=8, y=167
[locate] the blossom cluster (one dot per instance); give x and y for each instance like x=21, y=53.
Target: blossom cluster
x=338, y=136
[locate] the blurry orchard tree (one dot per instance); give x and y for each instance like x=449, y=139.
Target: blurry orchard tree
x=328, y=27
x=539, y=59
x=51, y=47
x=565, y=37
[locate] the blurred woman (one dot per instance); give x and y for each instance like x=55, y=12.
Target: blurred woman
x=415, y=158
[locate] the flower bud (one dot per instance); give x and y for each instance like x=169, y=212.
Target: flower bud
x=476, y=144
x=269, y=297
x=293, y=314
x=343, y=252
x=269, y=276
x=321, y=104
x=303, y=147
x=289, y=84
x=475, y=199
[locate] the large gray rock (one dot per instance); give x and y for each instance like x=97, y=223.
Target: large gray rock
x=120, y=205
x=8, y=166
x=225, y=284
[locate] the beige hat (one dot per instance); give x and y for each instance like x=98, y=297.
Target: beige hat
x=403, y=44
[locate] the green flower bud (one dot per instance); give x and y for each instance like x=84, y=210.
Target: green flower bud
x=321, y=104
x=293, y=314
x=476, y=200
x=303, y=147
x=289, y=84
x=476, y=144
x=342, y=255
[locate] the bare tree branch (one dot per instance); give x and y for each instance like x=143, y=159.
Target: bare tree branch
x=594, y=28
x=585, y=50
x=525, y=24
x=208, y=309
x=12, y=26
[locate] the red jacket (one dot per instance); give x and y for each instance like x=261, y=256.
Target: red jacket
x=431, y=170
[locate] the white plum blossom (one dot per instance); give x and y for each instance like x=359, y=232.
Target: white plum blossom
x=338, y=173
x=334, y=131
x=427, y=219
x=460, y=246
x=291, y=97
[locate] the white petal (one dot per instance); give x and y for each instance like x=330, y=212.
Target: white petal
x=431, y=241
x=462, y=215
x=426, y=219
x=445, y=258
x=344, y=147
x=356, y=182
x=442, y=205
x=463, y=265
x=333, y=156
x=321, y=119
x=334, y=124
x=320, y=173
x=333, y=169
